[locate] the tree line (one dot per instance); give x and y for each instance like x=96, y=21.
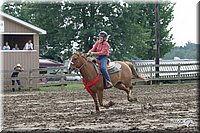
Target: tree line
x=189, y=51
x=75, y=26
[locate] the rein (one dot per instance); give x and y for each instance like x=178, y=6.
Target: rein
x=82, y=66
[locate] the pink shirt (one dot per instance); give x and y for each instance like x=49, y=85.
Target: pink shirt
x=100, y=49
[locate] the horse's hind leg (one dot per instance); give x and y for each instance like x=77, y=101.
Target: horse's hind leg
x=130, y=94
x=121, y=86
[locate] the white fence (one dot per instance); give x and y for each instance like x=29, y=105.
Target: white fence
x=175, y=71
x=169, y=71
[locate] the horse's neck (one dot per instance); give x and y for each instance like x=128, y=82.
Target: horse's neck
x=88, y=72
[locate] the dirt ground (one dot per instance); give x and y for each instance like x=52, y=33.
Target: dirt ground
x=166, y=108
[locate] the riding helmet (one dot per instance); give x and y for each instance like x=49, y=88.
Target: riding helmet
x=103, y=34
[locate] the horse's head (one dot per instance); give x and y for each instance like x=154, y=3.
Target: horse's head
x=76, y=61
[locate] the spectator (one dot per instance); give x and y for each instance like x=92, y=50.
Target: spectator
x=18, y=68
x=6, y=46
x=28, y=45
x=16, y=47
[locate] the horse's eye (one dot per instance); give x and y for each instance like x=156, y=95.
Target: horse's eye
x=75, y=59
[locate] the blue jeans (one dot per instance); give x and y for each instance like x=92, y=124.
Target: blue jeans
x=103, y=61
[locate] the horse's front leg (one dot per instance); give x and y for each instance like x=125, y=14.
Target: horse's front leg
x=94, y=96
x=100, y=98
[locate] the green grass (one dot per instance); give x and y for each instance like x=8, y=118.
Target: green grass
x=80, y=86
x=66, y=87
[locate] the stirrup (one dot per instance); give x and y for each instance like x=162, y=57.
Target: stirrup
x=108, y=85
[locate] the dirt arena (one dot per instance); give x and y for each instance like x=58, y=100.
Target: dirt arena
x=166, y=108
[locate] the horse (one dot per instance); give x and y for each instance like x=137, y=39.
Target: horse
x=121, y=79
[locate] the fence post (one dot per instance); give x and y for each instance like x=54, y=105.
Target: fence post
x=179, y=73
x=30, y=79
x=62, y=79
x=151, y=71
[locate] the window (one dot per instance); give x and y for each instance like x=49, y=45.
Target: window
x=21, y=40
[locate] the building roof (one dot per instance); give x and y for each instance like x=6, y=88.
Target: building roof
x=41, y=31
x=44, y=63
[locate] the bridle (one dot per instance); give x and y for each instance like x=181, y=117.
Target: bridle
x=82, y=65
x=79, y=68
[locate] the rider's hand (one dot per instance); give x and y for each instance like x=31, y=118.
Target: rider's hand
x=88, y=54
x=92, y=53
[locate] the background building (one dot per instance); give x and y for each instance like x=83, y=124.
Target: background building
x=14, y=30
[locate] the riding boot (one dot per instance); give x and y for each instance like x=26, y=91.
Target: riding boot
x=108, y=85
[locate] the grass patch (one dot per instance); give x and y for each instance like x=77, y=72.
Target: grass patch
x=66, y=87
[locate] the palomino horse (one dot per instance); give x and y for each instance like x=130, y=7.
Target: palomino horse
x=120, y=79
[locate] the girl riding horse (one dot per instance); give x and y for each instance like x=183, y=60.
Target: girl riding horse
x=101, y=49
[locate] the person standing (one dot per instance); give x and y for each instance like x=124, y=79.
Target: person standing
x=28, y=45
x=18, y=68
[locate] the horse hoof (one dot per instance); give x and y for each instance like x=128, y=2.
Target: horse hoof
x=130, y=99
x=97, y=111
x=108, y=104
x=135, y=99
x=111, y=103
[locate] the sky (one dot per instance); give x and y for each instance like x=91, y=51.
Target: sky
x=185, y=22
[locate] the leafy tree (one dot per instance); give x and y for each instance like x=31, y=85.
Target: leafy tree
x=75, y=26
x=57, y=38
x=147, y=19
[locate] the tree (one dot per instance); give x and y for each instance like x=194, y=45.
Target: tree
x=147, y=19
x=57, y=38
x=75, y=26
x=189, y=51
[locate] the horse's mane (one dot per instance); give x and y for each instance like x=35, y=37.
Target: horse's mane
x=84, y=56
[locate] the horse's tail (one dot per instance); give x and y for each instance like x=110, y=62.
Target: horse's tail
x=134, y=71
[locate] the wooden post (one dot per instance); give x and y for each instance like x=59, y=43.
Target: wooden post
x=30, y=79
x=151, y=76
x=179, y=73
x=37, y=79
x=157, y=39
x=62, y=80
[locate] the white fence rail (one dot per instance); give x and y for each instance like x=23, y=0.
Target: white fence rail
x=169, y=71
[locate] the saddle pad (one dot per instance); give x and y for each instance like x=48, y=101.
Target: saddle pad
x=115, y=68
x=110, y=65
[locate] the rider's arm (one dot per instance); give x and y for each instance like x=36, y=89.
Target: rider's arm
x=93, y=49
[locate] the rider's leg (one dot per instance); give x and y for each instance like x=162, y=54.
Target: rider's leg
x=103, y=62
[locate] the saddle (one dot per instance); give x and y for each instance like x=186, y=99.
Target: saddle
x=111, y=67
